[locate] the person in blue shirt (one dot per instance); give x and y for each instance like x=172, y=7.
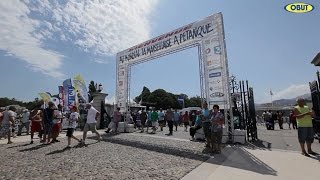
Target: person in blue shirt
x=162, y=122
x=197, y=125
x=176, y=118
x=206, y=123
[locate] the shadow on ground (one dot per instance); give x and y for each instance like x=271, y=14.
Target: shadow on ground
x=237, y=156
x=259, y=144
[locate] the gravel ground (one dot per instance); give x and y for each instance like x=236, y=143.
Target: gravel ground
x=122, y=156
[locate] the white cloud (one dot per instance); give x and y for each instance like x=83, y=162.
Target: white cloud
x=18, y=39
x=102, y=27
x=99, y=61
x=292, y=91
x=111, y=100
x=288, y=93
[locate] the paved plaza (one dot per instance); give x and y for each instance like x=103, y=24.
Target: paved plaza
x=147, y=156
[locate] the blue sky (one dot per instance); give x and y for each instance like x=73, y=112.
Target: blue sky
x=44, y=42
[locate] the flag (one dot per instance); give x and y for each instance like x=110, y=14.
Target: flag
x=81, y=89
x=69, y=94
x=271, y=93
x=181, y=100
x=61, y=95
x=45, y=97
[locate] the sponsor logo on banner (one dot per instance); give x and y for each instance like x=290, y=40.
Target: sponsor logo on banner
x=217, y=50
x=216, y=94
x=299, y=7
x=121, y=73
x=208, y=50
x=215, y=82
x=215, y=74
x=216, y=88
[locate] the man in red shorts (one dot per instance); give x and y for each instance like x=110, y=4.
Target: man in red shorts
x=36, y=119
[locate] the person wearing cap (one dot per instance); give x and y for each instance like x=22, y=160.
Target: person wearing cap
x=7, y=122
x=91, y=123
x=305, y=127
x=24, y=122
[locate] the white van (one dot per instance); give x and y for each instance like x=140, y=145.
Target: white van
x=190, y=109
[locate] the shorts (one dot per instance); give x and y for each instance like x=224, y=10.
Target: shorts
x=5, y=130
x=305, y=134
x=154, y=124
x=47, y=129
x=35, y=127
x=91, y=127
x=70, y=132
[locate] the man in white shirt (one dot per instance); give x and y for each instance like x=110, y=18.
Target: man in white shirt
x=91, y=123
x=24, y=122
x=8, y=121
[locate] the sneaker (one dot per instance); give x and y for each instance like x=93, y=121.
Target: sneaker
x=56, y=140
x=10, y=142
x=68, y=147
x=31, y=142
x=313, y=153
x=305, y=154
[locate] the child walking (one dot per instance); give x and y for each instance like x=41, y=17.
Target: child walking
x=74, y=117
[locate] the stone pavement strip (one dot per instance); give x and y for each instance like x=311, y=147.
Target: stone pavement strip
x=146, y=156
x=244, y=164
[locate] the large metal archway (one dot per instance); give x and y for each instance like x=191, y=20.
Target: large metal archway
x=208, y=36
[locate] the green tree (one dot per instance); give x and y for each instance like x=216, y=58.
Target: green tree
x=144, y=95
x=92, y=89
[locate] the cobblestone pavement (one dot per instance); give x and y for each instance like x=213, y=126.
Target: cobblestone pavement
x=122, y=156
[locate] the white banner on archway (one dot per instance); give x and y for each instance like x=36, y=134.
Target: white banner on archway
x=216, y=73
x=207, y=33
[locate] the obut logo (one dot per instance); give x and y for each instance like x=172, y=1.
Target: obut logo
x=299, y=7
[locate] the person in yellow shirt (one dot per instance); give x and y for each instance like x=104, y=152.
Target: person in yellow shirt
x=305, y=127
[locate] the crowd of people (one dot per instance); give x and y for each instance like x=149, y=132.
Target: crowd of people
x=47, y=122
x=210, y=121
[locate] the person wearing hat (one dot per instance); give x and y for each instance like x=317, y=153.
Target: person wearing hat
x=91, y=123
x=24, y=122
